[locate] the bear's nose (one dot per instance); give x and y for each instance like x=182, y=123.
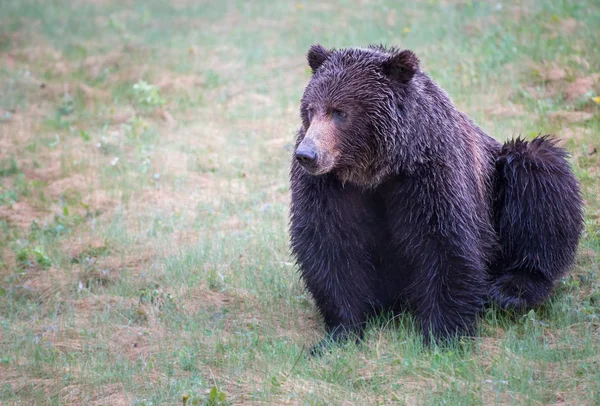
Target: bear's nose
x=306, y=154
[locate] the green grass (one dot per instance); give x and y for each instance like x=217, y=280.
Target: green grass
x=144, y=157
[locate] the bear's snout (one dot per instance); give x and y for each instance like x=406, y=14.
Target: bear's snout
x=307, y=154
x=317, y=152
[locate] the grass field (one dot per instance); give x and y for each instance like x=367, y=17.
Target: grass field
x=144, y=157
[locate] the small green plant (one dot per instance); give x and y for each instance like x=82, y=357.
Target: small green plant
x=8, y=197
x=29, y=257
x=216, y=397
x=8, y=167
x=67, y=106
x=216, y=280
x=147, y=95
x=212, y=79
x=135, y=127
x=84, y=135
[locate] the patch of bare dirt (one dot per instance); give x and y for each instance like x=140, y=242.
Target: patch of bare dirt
x=21, y=214
x=551, y=76
x=202, y=298
x=169, y=81
x=121, y=116
x=572, y=133
x=76, y=182
x=557, y=80
x=96, y=64
x=552, y=73
x=54, y=91
x=507, y=110
x=50, y=172
x=569, y=26
x=36, y=53
x=93, y=95
x=570, y=116
x=101, y=200
x=8, y=61
x=480, y=24
x=168, y=201
x=564, y=27
x=581, y=86
x=129, y=74
x=18, y=130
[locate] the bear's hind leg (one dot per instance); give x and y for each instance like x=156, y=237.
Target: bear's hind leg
x=538, y=218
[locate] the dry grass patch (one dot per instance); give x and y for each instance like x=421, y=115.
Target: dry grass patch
x=169, y=82
x=135, y=342
x=165, y=201
x=23, y=384
x=52, y=171
x=19, y=130
x=35, y=54
x=581, y=86
x=575, y=133
x=203, y=298
x=571, y=117
x=111, y=394
x=22, y=214
x=75, y=183
x=47, y=284
x=567, y=83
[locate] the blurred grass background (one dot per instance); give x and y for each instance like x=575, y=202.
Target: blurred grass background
x=144, y=157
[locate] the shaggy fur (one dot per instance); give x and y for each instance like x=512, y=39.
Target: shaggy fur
x=537, y=216
x=400, y=202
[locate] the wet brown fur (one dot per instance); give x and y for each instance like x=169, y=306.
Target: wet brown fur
x=419, y=209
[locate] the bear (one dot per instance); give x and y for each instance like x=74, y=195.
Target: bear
x=401, y=203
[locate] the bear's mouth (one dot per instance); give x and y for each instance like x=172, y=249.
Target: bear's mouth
x=316, y=171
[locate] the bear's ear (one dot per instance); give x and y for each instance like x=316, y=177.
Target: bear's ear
x=316, y=56
x=401, y=66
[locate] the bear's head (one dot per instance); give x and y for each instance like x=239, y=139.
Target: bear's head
x=349, y=111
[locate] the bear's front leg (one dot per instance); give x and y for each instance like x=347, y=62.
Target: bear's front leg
x=334, y=269
x=333, y=246
x=343, y=310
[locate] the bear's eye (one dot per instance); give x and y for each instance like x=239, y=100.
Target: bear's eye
x=338, y=114
x=311, y=112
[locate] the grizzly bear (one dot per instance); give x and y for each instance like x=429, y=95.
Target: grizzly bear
x=400, y=202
